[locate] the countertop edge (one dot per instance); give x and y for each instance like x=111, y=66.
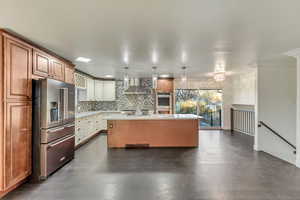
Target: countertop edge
x=86, y=114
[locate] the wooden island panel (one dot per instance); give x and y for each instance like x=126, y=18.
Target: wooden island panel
x=153, y=133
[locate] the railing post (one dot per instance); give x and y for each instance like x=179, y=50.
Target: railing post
x=220, y=117
x=231, y=120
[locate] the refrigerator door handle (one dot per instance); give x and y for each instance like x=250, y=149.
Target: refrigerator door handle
x=56, y=129
x=64, y=101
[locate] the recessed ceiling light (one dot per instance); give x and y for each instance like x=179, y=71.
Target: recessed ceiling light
x=109, y=76
x=83, y=59
x=164, y=75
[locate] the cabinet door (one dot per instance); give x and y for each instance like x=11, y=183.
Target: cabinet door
x=17, y=142
x=57, y=70
x=165, y=85
x=98, y=90
x=18, y=68
x=90, y=89
x=69, y=74
x=109, y=90
x=41, y=63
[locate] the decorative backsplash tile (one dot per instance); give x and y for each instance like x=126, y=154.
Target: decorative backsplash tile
x=123, y=102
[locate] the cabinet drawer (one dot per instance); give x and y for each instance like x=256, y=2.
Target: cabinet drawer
x=54, y=155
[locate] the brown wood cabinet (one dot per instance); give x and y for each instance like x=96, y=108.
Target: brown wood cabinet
x=45, y=65
x=69, y=74
x=57, y=70
x=41, y=63
x=20, y=61
x=17, y=139
x=18, y=64
x=165, y=85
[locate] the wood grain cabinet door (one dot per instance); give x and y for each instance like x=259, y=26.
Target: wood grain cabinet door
x=41, y=64
x=57, y=70
x=17, y=139
x=69, y=74
x=165, y=85
x=18, y=69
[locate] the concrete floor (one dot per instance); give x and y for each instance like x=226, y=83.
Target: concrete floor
x=223, y=167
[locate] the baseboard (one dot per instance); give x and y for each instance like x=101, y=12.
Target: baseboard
x=255, y=147
x=5, y=192
x=87, y=140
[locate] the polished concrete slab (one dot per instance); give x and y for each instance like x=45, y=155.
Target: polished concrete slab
x=223, y=167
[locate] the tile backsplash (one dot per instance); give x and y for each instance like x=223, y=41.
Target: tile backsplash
x=122, y=102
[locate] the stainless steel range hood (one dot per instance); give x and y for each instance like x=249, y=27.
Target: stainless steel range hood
x=135, y=88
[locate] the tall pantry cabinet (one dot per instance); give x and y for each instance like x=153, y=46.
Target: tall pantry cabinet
x=16, y=73
x=15, y=109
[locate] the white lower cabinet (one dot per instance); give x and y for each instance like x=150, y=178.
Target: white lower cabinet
x=86, y=127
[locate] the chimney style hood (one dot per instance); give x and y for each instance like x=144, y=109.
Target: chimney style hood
x=135, y=88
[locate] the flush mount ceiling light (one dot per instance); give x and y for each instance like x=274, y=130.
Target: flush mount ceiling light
x=164, y=76
x=154, y=77
x=126, y=78
x=183, y=75
x=109, y=76
x=83, y=59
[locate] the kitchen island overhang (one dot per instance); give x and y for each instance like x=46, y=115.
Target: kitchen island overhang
x=168, y=130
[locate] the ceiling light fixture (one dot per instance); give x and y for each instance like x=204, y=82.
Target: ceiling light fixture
x=83, y=59
x=154, y=77
x=164, y=75
x=183, y=57
x=184, y=74
x=154, y=57
x=126, y=58
x=109, y=76
x=126, y=78
x=219, y=74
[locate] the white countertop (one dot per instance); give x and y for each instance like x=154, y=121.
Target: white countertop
x=86, y=114
x=151, y=117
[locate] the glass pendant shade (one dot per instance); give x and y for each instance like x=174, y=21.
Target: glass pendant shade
x=154, y=78
x=184, y=74
x=126, y=79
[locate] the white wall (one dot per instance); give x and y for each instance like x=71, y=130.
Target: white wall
x=277, y=108
x=244, y=88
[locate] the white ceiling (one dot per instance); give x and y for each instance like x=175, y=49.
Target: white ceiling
x=237, y=33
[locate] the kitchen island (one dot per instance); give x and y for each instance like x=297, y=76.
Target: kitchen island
x=166, y=130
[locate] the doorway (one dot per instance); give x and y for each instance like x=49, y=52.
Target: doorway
x=202, y=102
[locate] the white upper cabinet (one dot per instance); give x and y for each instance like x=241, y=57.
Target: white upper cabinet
x=105, y=90
x=109, y=90
x=90, y=90
x=98, y=90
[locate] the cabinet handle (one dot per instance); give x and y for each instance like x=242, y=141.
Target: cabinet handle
x=78, y=129
x=69, y=126
x=62, y=158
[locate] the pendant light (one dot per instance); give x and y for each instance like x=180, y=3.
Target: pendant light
x=219, y=74
x=184, y=74
x=154, y=77
x=126, y=78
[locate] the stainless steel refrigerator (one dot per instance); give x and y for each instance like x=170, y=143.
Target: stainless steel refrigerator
x=53, y=126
